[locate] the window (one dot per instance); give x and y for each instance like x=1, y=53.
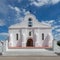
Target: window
x=16, y=36
x=30, y=25
x=29, y=33
x=30, y=19
x=29, y=22
x=42, y=36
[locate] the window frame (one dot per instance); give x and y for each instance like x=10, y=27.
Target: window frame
x=42, y=36
x=30, y=22
x=17, y=36
x=30, y=33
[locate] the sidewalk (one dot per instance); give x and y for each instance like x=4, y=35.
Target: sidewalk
x=29, y=58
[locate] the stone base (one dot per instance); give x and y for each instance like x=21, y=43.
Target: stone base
x=29, y=52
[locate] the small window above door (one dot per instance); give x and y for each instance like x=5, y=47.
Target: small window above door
x=30, y=33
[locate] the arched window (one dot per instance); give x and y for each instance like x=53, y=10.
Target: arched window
x=30, y=19
x=29, y=22
x=42, y=36
x=16, y=36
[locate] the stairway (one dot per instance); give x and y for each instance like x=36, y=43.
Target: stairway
x=30, y=52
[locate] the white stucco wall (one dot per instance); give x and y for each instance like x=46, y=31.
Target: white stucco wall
x=24, y=35
x=36, y=23
x=22, y=30
x=12, y=34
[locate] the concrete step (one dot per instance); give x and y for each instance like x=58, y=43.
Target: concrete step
x=25, y=53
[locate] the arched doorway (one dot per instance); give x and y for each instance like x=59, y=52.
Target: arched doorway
x=29, y=43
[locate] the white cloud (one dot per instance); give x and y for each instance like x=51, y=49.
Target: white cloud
x=55, y=1
x=4, y=34
x=38, y=2
x=59, y=20
x=11, y=7
x=18, y=15
x=2, y=23
x=3, y=7
x=26, y=12
x=15, y=8
x=49, y=22
x=58, y=30
x=43, y=2
x=52, y=23
x=19, y=1
x=57, y=36
x=57, y=26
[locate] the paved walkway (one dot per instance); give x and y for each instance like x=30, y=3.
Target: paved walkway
x=29, y=58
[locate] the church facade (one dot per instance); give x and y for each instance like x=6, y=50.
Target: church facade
x=30, y=33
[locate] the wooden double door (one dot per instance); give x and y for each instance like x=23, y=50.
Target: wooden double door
x=29, y=42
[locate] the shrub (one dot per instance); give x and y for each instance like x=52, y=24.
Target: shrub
x=58, y=43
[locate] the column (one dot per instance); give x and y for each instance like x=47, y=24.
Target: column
x=11, y=42
x=37, y=43
x=23, y=40
x=50, y=40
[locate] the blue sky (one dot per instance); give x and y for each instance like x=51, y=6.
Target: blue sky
x=13, y=11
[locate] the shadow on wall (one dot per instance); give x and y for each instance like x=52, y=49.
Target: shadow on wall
x=18, y=44
x=46, y=41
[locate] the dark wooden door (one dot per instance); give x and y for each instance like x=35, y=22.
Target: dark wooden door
x=29, y=43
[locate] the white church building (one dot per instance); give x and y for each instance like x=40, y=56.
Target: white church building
x=30, y=33
x=29, y=37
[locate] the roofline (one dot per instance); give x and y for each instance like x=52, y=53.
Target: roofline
x=33, y=28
